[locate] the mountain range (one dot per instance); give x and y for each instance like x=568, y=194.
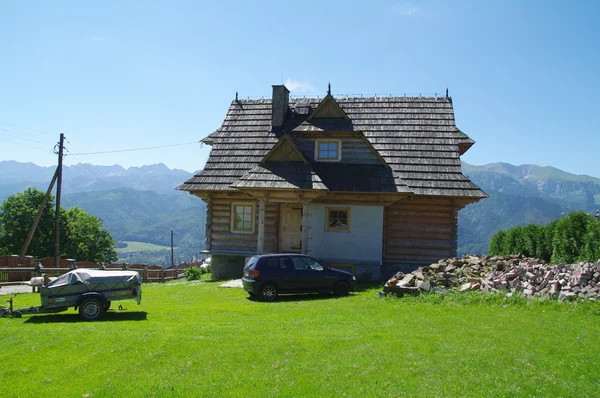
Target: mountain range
x=141, y=204
x=521, y=195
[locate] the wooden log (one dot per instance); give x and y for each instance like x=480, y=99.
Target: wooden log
x=261, y=227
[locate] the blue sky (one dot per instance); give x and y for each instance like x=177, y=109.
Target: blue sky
x=524, y=75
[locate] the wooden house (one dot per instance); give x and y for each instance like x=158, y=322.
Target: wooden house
x=370, y=184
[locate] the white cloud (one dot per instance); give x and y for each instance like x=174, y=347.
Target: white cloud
x=408, y=9
x=298, y=87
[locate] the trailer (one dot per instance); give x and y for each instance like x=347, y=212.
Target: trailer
x=90, y=291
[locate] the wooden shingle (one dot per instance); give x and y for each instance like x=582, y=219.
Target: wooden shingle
x=416, y=137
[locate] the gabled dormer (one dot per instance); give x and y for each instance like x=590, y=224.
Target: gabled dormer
x=284, y=151
x=328, y=135
x=328, y=108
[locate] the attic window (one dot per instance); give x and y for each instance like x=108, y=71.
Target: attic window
x=242, y=217
x=337, y=219
x=328, y=150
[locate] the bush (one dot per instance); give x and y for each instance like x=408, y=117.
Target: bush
x=567, y=240
x=192, y=273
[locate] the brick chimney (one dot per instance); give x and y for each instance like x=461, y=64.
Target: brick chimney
x=281, y=100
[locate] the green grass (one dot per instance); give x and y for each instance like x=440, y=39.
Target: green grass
x=196, y=339
x=140, y=247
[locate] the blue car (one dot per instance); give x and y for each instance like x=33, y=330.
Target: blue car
x=266, y=276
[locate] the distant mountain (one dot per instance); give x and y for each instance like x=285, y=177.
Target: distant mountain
x=141, y=204
x=521, y=195
x=84, y=177
x=135, y=204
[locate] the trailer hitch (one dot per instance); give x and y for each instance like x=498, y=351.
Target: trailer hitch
x=9, y=311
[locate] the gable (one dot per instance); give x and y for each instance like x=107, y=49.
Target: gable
x=328, y=108
x=284, y=151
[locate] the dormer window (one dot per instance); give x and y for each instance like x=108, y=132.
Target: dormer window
x=328, y=150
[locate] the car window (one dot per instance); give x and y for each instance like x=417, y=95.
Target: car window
x=278, y=263
x=306, y=263
x=251, y=263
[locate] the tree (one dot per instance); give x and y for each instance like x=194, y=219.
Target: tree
x=568, y=240
x=86, y=240
x=82, y=236
x=17, y=214
x=497, y=243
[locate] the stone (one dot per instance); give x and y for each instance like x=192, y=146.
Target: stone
x=423, y=285
x=465, y=287
x=418, y=274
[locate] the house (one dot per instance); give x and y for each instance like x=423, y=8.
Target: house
x=369, y=184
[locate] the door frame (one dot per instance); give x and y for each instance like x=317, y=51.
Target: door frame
x=283, y=207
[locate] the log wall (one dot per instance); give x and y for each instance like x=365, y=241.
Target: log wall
x=219, y=235
x=419, y=231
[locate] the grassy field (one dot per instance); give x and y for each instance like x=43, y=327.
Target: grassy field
x=196, y=339
x=140, y=247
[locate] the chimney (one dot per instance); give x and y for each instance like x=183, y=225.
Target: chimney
x=281, y=100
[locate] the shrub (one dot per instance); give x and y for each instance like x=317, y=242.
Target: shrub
x=192, y=273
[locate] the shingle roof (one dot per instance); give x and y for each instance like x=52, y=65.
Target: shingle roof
x=319, y=176
x=416, y=136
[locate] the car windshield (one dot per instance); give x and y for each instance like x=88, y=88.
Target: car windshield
x=304, y=263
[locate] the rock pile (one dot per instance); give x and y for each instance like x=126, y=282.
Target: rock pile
x=510, y=274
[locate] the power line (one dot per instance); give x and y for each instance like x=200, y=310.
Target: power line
x=22, y=127
x=29, y=146
x=21, y=138
x=136, y=149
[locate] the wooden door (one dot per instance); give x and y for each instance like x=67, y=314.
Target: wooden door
x=290, y=233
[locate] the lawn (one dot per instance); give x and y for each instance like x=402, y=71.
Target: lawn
x=140, y=247
x=196, y=339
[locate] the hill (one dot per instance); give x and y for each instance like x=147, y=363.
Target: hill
x=84, y=177
x=140, y=204
x=521, y=195
x=136, y=204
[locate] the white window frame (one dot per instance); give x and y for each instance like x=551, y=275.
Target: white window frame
x=328, y=141
x=233, y=228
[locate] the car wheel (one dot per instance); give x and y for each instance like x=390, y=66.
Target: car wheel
x=106, y=306
x=268, y=292
x=91, y=309
x=341, y=289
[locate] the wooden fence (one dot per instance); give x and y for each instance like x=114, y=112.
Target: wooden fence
x=15, y=270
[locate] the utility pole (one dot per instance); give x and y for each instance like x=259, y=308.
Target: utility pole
x=172, y=262
x=39, y=215
x=58, y=188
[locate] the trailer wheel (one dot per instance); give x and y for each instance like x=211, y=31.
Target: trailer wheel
x=107, y=306
x=16, y=314
x=91, y=309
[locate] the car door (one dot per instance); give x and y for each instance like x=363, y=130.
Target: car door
x=310, y=274
x=281, y=272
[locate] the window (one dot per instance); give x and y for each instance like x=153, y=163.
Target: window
x=242, y=217
x=306, y=263
x=279, y=263
x=328, y=150
x=337, y=219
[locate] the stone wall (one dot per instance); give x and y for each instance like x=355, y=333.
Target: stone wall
x=227, y=267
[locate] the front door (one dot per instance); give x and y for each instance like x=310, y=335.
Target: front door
x=290, y=232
